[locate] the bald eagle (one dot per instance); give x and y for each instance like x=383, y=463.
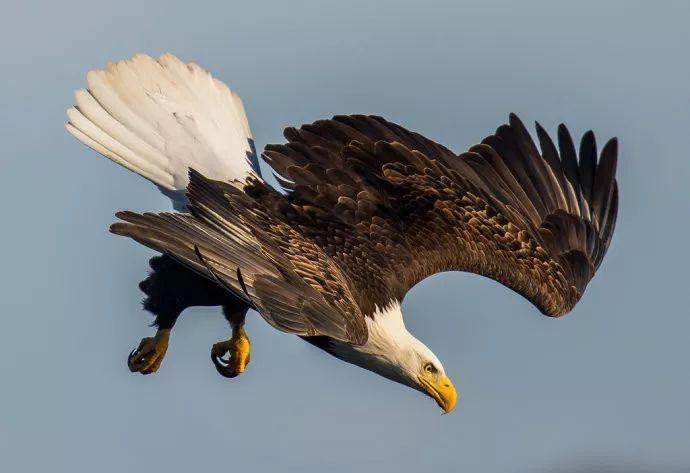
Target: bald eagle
x=367, y=209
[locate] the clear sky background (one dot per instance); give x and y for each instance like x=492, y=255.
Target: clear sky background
x=605, y=389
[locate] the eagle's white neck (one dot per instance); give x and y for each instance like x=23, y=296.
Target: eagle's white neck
x=391, y=350
x=387, y=331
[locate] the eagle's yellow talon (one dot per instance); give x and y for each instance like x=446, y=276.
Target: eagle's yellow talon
x=238, y=349
x=148, y=356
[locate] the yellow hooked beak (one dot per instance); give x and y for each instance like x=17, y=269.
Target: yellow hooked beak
x=442, y=390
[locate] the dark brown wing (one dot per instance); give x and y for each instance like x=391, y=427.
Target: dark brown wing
x=233, y=239
x=392, y=207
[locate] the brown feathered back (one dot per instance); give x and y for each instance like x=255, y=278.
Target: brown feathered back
x=392, y=207
x=371, y=209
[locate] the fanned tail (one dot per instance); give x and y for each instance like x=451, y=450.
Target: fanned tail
x=158, y=118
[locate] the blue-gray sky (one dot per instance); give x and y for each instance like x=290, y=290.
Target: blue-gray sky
x=604, y=389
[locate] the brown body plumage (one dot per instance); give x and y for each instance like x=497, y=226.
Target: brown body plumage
x=371, y=209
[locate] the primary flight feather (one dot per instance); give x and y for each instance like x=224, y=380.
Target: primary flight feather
x=367, y=210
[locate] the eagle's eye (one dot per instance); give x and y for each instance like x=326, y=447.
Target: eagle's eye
x=430, y=368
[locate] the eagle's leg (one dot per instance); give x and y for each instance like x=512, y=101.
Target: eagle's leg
x=237, y=348
x=148, y=356
x=170, y=288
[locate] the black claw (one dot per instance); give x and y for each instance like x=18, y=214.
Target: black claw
x=222, y=367
x=136, y=359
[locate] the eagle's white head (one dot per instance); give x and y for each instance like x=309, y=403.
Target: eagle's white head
x=393, y=352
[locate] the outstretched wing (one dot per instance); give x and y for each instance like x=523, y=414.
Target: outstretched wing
x=392, y=207
x=238, y=242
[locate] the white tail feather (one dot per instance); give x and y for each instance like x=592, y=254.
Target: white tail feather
x=160, y=117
